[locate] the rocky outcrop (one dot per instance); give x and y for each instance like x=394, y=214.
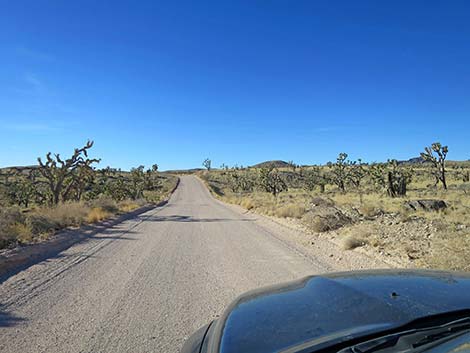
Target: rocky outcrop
x=426, y=205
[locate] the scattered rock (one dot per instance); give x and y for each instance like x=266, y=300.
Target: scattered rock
x=426, y=205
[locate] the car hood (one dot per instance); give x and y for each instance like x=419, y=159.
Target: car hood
x=334, y=307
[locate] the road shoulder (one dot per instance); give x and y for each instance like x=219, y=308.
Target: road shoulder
x=323, y=252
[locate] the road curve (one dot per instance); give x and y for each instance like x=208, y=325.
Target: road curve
x=147, y=283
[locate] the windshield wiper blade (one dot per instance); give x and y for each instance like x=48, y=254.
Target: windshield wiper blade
x=443, y=331
x=411, y=339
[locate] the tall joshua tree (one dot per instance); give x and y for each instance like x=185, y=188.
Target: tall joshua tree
x=207, y=164
x=61, y=173
x=436, y=154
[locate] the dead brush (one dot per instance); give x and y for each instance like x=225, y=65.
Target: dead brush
x=352, y=242
x=290, y=211
x=97, y=214
x=65, y=214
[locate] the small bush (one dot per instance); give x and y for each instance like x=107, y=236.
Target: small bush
x=325, y=219
x=9, y=217
x=247, y=204
x=127, y=206
x=352, y=242
x=40, y=224
x=21, y=232
x=317, y=224
x=97, y=214
x=292, y=211
x=370, y=211
x=65, y=214
x=105, y=203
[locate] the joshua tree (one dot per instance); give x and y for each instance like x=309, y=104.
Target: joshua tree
x=436, y=154
x=312, y=178
x=137, y=182
x=271, y=181
x=240, y=182
x=207, y=164
x=397, y=179
x=152, y=181
x=356, y=173
x=465, y=174
x=377, y=174
x=118, y=189
x=22, y=190
x=340, y=171
x=390, y=177
x=83, y=177
x=61, y=174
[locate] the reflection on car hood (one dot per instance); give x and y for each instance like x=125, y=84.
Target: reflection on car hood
x=335, y=305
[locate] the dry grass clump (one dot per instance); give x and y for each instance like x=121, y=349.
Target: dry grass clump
x=65, y=214
x=18, y=227
x=291, y=211
x=9, y=217
x=451, y=251
x=370, y=211
x=324, y=223
x=128, y=206
x=32, y=225
x=324, y=219
x=21, y=232
x=247, y=203
x=352, y=242
x=369, y=201
x=106, y=203
x=97, y=214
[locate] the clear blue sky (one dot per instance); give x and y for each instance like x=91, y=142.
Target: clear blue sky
x=173, y=82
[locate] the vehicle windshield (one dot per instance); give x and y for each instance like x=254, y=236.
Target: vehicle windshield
x=293, y=171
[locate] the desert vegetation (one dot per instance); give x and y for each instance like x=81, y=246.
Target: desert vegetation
x=410, y=213
x=36, y=201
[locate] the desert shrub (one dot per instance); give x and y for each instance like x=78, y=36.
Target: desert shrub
x=105, y=203
x=9, y=217
x=316, y=223
x=247, y=203
x=21, y=233
x=352, y=242
x=128, y=205
x=65, y=214
x=370, y=211
x=270, y=180
x=152, y=196
x=291, y=210
x=324, y=219
x=97, y=214
x=41, y=224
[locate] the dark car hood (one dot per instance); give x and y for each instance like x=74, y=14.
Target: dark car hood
x=339, y=305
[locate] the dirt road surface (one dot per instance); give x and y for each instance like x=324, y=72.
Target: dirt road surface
x=147, y=283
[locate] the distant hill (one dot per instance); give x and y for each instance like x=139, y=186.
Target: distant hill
x=18, y=169
x=276, y=164
x=183, y=171
x=414, y=160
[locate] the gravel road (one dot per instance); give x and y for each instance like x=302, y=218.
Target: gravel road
x=147, y=283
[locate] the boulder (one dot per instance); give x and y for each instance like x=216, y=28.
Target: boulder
x=426, y=205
